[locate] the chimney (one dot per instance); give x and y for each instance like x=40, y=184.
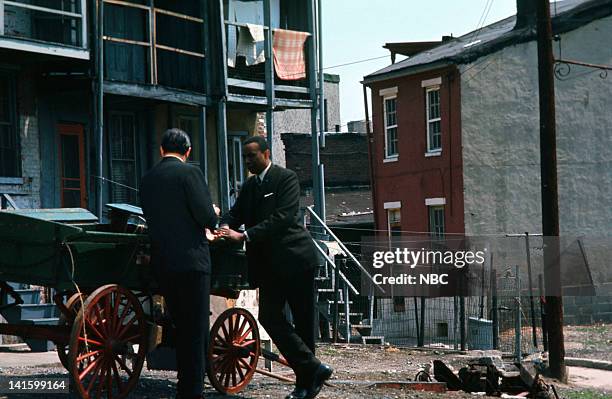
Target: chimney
x=525, y=13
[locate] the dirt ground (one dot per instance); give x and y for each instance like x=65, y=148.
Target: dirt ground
x=357, y=367
x=592, y=342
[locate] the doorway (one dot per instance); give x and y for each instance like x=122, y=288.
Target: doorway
x=73, y=192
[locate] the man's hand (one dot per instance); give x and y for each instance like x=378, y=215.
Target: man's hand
x=217, y=210
x=230, y=234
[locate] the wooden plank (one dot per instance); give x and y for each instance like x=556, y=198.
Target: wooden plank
x=247, y=84
x=289, y=103
x=155, y=93
x=58, y=215
x=179, y=15
x=126, y=4
x=126, y=41
x=42, y=47
x=292, y=89
x=178, y=50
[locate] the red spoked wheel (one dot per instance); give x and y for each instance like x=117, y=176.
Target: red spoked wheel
x=234, y=350
x=103, y=361
x=73, y=305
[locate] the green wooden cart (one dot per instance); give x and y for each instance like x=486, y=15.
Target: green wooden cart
x=109, y=319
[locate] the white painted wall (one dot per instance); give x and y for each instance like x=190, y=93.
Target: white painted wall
x=500, y=138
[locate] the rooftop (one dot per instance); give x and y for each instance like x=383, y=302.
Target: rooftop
x=566, y=16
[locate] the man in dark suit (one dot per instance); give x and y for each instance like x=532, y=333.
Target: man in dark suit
x=282, y=260
x=177, y=205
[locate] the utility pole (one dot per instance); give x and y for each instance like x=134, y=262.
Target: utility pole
x=550, y=195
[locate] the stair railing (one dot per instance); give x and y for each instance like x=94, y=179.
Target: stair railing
x=344, y=248
x=7, y=201
x=333, y=265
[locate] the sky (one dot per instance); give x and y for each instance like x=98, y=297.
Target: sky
x=356, y=30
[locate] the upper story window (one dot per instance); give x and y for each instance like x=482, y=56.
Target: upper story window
x=389, y=98
x=10, y=159
x=391, y=150
x=157, y=43
x=434, y=132
x=433, y=115
x=60, y=22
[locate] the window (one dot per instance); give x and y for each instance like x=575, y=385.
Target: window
x=391, y=150
x=53, y=21
x=394, y=221
x=436, y=221
x=10, y=159
x=191, y=126
x=123, y=157
x=235, y=166
x=161, y=44
x=434, y=133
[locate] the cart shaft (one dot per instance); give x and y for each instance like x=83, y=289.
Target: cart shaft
x=58, y=334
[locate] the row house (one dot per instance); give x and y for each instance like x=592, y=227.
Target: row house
x=455, y=143
x=87, y=88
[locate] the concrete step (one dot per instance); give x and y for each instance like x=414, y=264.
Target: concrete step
x=29, y=296
x=373, y=339
x=23, y=312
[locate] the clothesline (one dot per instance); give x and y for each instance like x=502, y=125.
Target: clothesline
x=247, y=40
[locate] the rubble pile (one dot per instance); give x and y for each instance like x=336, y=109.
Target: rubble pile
x=491, y=376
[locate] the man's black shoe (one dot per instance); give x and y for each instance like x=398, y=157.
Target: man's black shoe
x=298, y=393
x=321, y=375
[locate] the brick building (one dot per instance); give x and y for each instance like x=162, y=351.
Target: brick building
x=456, y=135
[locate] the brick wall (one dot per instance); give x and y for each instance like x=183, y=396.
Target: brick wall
x=345, y=157
x=26, y=192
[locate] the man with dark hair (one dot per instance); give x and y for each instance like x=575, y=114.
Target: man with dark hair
x=178, y=208
x=282, y=260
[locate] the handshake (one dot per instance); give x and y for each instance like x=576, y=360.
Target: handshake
x=225, y=233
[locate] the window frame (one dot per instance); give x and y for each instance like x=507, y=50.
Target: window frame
x=429, y=120
x=393, y=208
x=388, y=156
x=80, y=16
x=433, y=231
x=194, y=137
x=134, y=161
x=13, y=125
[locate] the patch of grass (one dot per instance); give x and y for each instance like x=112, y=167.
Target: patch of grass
x=586, y=394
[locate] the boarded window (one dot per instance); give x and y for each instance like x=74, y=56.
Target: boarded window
x=10, y=165
x=123, y=157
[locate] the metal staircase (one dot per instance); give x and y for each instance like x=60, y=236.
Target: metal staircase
x=346, y=311
x=20, y=304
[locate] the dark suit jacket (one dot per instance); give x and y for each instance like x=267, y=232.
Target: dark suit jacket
x=177, y=205
x=278, y=244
